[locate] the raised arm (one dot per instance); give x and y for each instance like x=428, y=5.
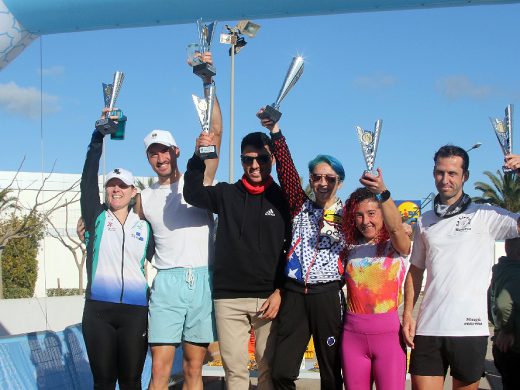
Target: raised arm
x=391, y=215
x=90, y=201
x=216, y=127
x=285, y=168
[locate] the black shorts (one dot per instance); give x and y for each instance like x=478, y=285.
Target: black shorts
x=465, y=356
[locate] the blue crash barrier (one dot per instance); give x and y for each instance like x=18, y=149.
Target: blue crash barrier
x=54, y=360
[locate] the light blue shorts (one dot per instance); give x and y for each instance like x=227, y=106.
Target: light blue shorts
x=181, y=307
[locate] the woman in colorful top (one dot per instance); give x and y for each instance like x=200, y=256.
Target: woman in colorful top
x=312, y=300
x=116, y=298
x=377, y=251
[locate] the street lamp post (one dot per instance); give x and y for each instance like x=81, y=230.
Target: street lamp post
x=476, y=146
x=237, y=42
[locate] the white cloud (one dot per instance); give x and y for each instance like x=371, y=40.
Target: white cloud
x=460, y=86
x=56, y=70
x=377, y=81
x=25, y=102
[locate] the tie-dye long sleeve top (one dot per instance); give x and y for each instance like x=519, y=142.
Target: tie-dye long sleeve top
x=374, y=283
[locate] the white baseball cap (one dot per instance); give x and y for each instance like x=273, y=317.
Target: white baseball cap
x=162, y=137
x=121, y=174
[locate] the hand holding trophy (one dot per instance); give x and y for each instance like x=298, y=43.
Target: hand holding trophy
x=369, y=141
x=504, y=132
x=202, y=69
x=205, y=70
x=107, y=125
x=293, y=75
x=204, y=108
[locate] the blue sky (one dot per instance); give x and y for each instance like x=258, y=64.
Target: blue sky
x=433, y=76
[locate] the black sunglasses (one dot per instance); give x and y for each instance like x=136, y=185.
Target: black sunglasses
x=261, y=159
x=331, y=179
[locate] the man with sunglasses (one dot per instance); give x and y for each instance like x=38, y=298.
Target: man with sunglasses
x=253, y=228
x=313, y=302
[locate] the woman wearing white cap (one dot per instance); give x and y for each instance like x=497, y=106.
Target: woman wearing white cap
x=116, y=306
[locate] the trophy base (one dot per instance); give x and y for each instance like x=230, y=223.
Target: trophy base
x=270, y=113
x=371, y=172
x=119, y=135
x=208, y=152
x=204, y=70
x=106, y=126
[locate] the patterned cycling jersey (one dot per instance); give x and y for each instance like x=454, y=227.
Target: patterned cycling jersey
x=317, y=238
x=115, y=252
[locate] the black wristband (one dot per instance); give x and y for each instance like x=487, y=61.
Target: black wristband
x=383, y=196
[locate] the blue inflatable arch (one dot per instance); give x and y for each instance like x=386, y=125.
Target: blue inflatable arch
x=21, y=21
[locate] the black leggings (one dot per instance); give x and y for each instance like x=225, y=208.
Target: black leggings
x=116, y=341
x=300, y=316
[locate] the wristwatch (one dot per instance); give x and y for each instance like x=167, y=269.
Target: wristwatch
x=383, y=196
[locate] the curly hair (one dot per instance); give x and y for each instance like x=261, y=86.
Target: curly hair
x=352, y=234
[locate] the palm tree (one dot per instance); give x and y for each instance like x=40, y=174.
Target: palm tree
x=504, y=191
x=139, y=184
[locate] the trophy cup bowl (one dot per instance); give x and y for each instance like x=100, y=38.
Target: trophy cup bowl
x=369, y=141
x=294, y=72
x=204, y=108
x=503, y=130
x=116, y=128
x=202, y=69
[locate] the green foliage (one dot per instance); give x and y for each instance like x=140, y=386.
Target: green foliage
x=504, y=191
x=62, y=292
x=139, y=184
x=19, y=263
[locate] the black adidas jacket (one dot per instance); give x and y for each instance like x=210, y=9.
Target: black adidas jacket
x=252, y=234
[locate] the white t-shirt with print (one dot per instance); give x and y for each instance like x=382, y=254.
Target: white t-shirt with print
x=457, y=253
x=182, y=233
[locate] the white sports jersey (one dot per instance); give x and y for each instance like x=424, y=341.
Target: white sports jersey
x=181, y=231
x=457, y=253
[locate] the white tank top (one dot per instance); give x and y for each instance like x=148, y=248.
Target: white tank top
x=182, y=233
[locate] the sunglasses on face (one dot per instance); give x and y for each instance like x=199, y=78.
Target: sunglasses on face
x=331, y=179
x=261, y=159
x=122, y=186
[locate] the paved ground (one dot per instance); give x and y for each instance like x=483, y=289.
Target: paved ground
x=492, y=381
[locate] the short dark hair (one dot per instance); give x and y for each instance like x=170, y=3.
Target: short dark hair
x=512, y=247
x=257, y=140
x=453, y=151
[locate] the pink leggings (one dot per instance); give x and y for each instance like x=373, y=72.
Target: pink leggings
x=372, y=350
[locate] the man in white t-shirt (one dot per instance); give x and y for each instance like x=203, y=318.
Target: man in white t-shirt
x=181, y=306
x=454, y=243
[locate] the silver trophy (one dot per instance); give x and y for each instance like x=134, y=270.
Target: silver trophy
x=369, y=141
x=504, y=132
x=204, y=108
x=293, y=75
x=200, y=68
x=116, y=128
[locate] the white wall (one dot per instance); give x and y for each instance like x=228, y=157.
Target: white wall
x=18, y=316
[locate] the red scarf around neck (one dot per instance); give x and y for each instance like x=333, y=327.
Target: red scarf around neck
x=257, y=190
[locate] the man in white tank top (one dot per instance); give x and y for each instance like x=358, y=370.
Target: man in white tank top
x=181, y=309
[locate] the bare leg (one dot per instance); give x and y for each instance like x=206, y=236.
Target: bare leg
x=162, y=360
x=192, y=361
x=420, y=382
x=459, y=385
